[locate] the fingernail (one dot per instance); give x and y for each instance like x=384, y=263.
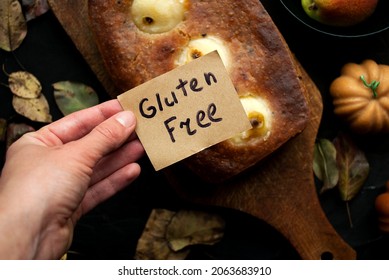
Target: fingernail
x=126, y=118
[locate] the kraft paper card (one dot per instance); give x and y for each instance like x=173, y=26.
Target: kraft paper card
x=186, y=110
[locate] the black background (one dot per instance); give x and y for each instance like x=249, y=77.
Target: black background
x=112, y=229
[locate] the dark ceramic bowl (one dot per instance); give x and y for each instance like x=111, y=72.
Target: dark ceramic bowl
x=376, y=23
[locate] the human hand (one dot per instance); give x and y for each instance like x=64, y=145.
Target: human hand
x=53, y=176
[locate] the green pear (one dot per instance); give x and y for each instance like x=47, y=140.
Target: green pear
x=339, y=12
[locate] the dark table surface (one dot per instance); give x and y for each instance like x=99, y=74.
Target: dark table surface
x=111, y=230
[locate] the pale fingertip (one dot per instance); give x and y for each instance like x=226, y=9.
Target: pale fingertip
x=126, y=118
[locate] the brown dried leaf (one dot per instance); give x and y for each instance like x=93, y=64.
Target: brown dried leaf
x=353, y=167
x=153, y=245
x=192, y=228
x=3, y=129
x=24, y=84
x=15, y=131
x=35, y=109
x=168, y=234
x=34, y=8
x=13, y=27
x=325, y=165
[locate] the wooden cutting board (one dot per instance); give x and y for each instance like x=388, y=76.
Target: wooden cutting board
x=280, y=190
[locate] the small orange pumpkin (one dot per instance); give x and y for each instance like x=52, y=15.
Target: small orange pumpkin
x=361, y=96
x=382, y=208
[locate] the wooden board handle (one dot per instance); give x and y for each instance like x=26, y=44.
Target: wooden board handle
x=310, y=233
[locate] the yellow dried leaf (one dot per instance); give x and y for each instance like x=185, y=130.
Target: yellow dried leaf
x=169, y=235
x=153, y=245
x=35, y=109
x=13, y=27
x=194, y=227
x=24, y=84
x=353, y=166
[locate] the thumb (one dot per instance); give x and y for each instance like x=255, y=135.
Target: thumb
x=108, y=135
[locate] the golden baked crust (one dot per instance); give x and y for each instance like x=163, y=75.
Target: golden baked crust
x=260, y=65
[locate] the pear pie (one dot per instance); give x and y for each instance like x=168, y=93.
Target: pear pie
x=142, y=39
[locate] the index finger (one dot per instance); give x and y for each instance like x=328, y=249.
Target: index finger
x=80, y=123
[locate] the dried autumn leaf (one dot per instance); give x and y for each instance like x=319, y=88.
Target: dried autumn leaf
x=169, y=234
x=353, y=167
x=15, y=131
x=3, y=129
x=152, y=245
x=24, y=84
x=72, y=96
x=35, y=109
x=325, y=165
x=34, y=8
x=13, y=27
x=192, y=228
